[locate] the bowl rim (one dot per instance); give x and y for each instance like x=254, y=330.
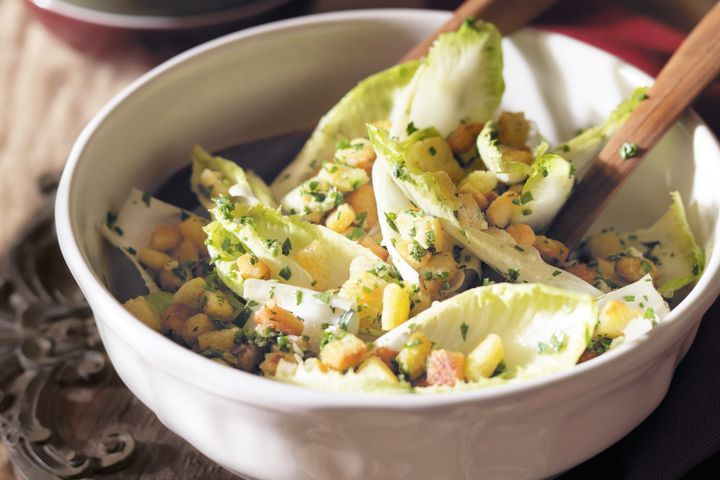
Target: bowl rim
x=157, y=22
x=241, y=386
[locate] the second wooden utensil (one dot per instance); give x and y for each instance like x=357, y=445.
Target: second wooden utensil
x=693, y=67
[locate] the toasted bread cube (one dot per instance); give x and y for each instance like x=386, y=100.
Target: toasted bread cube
x=343, y=353
x=271, y=315
x=192, y=229
x=396, y=306
x=173, y=276
x=269, y=366
x=376, y=369
x=363, y=200
x=413, y=253
x=606, y=268
x=343, y=177
x=552, y=251
x=174, y=317
x=191, y=293
x=140, y=307
x=341, y=218
x=248, y=356
x=614, y=317
x=250, y=266
x=366, y=290
x=186, y=252
x=360, y=154
x=220, y=339
x=605, y=244
x=165, y=238
x=463, y=138
x=438, y=275
x=584, y=271
x=196, y=326
x=218, y=306
x=445, y=367
x=412, y=358
x=516, y=155
x=632, y=269
x=153, y=259
x=513, y=129
x=484, y=359
x=433, y=154
x=522, y=234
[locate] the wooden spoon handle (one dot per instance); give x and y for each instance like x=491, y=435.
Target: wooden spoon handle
x=507, y=15
x=691, y=68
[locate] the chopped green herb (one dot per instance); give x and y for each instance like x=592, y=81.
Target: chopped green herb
x=225, y=206
x=629, y=298
x=556, y=273
x=118, y=230
x=411, y=128
x=628, y=150
x=342, y=144
x=391, y=217
x=285, y=273
x=131, y=250
x=110, y=219
x=513, y=274
x=298, y=297
x=345, y=318
x=464, y=330
x=286, y=247
x=432, y=151
x=324, y=297
x=146, y=198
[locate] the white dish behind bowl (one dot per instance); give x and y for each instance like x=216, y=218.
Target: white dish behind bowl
x=277, y=78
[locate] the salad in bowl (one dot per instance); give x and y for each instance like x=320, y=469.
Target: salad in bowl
x=402, y=250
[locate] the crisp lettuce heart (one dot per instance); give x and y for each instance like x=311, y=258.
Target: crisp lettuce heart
x=436, y=195
x=316, y=310
x=670, y=244
x=298, y=252
x=507, y=171
x=213, y=176
x=582, y=149
x=545, y=191
x=131, y=228
x=459, y=81
x=543, y=329
x=390, y=201
x=373, y=99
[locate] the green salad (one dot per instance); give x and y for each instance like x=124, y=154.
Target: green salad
x=402, y=250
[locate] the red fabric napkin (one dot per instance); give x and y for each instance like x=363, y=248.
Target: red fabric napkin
x=681, y=439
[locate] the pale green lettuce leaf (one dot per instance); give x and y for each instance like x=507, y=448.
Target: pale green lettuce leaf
x=582, y=149
x=492, y=246
x=670, y=243
x=238, y=182
x=316, y=258
x=459, y=81
x=316, y=310
x=545, y=191
x=133, y=226
x=543, y=329
x=373, y=99
x=505, y=170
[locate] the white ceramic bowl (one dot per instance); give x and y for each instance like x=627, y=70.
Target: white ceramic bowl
x=277, y=78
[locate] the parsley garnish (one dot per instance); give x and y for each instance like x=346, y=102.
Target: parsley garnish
x=513, y=273
x=298, y=297
x=390, y=217
x=464, y=330
x=286, y=247
x=146, y=198
x=411, y=128
x=628, y=150
x=285, y=273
